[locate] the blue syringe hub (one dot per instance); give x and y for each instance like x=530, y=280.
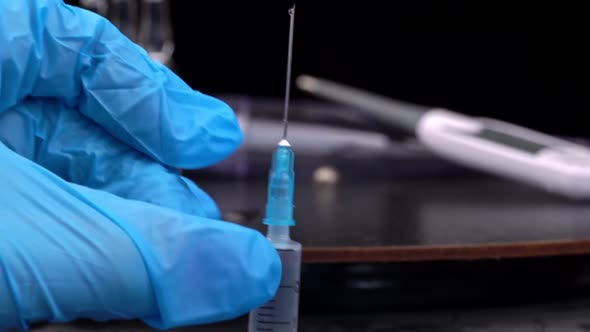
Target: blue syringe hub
x=281, y=184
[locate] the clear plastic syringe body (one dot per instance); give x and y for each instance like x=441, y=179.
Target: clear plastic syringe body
x=280, y=314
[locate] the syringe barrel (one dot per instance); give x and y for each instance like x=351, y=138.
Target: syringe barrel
x=281, y=313
x=281, y=183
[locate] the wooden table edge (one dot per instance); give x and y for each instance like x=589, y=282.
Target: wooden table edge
x=376, y=254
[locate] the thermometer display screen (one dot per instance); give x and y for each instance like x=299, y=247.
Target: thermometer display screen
x=510, y=140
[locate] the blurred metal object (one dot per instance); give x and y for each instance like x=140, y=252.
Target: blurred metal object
x=355, y=147
x=145, y=22
x=123, y=14
x=100, y=7
x=155, y=30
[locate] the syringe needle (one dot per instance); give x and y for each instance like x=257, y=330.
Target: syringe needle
x=288, y=80
x=281, y=313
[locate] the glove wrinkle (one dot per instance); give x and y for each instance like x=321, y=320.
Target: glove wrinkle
x=10, y=314
x=84, y=61
x=79, y=151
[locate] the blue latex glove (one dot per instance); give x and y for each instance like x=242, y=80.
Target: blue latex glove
x=94, y=221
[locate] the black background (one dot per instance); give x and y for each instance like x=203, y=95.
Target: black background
x=517, y=61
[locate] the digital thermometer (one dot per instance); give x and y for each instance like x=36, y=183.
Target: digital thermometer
x=499, y=148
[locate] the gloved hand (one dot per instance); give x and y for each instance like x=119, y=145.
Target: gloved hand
x=94, y=220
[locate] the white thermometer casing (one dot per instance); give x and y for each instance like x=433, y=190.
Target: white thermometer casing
x=508, y=150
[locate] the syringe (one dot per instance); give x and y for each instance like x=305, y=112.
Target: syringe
x=281, y=313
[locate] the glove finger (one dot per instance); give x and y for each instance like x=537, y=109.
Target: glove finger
x=202, y=270
x=61, y=259
x=79, y=151
x=65, y=52
x=84, y=253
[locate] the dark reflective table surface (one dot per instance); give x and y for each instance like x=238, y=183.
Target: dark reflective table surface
x=446, y=217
